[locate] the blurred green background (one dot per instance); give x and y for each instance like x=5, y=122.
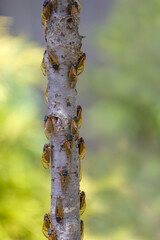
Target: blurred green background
x=121, y=127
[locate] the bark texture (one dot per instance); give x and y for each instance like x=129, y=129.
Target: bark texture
x=63, y=38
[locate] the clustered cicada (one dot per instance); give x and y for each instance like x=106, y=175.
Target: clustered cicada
x=46, y=224
x=46, y=156
x=64, y=179
x=59, y=210
x=76, y=69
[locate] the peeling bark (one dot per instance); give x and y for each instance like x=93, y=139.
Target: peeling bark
x=64, y=41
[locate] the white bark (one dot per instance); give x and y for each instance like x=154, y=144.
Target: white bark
x=63, y=37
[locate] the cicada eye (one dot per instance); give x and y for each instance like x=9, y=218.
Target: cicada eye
x=46, y=118
x=49, y=232
x=69, y=137
x=45, y=146
x=75, y=65
x=45, y=216
x=64, y=173
x=45, y=3
x=75, y=4
x=58, y=218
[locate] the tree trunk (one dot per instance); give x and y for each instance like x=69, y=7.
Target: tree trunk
x=63, y=42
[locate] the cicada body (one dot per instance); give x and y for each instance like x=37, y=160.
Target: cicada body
x=46, y=156
x=82, y=202
x=43, y=67
x=48, y=126
x=46, y=95
x=73, y=75
x=59, y=210
x=52, y=234
x=82, y=148
x=82, y=230
x=46, y=224
x=68, y=146
x=80, y=170
x=74, y=126
x=54, y=62
x=64, y=179
x=46, y=10
x=81, y=62
x=79, y=116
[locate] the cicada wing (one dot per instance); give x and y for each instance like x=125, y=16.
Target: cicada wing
x=43, y=20
x=82, y=230
x=64, y=182
x=46, y=12
x=59, y=207
x=46, y=158
x=46, y=95
x=72, y=77
x=52, y=56
x=68, y=149
x=80, y=170
x=46, y=226
x=74, y=128
x=45, y=164
x=48, y=129
x=43, y=67
x=45, y=232
x=82, y=151
x=79, y=117
x=81, y=66
x=83, y=206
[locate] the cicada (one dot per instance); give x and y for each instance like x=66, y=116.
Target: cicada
x=48, y=126
x=46, y=11
x=73, y=75
x=79, y=116
x=54, y=61
x=64, y=179
x=52, y=234
x=82, y=148
x=52, y=56
x=43, y=67
x=80, y=170
x=82, y=202
x=81, y=62
x=59, y=210
x=46, y=95
x=46, y=156
x=68, y=146
x=75, y=7
x=82, y=230
x=46, y=224
x=74, y=126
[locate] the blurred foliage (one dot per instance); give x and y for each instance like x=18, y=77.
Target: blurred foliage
x=24, y=184
x=121, y=127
